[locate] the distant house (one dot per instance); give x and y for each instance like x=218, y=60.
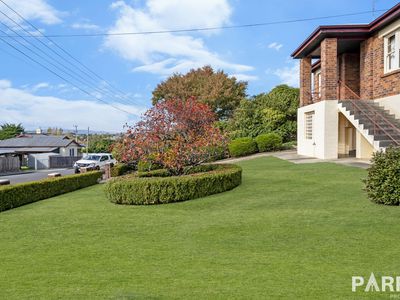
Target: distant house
x=40, y=151
x=350, y=88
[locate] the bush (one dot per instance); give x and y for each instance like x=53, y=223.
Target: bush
x=383, y=180
x=268, y=142
x=199, y=169
x=154, y=173
x=145, y=166
x=156, y=190
x=121, y=169
x=242, y=147
x=12, y=196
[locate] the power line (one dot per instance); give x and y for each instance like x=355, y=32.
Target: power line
x=208, y=28
x=119, y=94
x=60, y=76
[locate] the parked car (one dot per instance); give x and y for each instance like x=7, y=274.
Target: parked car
x=94, y=161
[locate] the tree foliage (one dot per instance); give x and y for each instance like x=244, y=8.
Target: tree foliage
x=8, y=130
x=275, y=111
x=173, y=134
x=221, y=92
x=100, y=143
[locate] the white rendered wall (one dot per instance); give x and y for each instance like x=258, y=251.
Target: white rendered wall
x=324, y=143
x=391, y=103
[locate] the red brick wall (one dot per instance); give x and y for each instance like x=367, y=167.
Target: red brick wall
x=305, y=81
x=349, y=75
x=329, y=69
x=373, y=82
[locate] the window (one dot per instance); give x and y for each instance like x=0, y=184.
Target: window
x=309, y=122
x=392, y=52
x=72, y=152
x=104, y=158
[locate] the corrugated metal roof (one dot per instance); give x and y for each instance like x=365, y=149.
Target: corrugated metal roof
x=28, y=141
x=28, y=150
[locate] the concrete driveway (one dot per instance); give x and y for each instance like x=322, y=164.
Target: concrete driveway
x=36, y=175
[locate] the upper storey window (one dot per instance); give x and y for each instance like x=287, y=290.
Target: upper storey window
x=392, y=52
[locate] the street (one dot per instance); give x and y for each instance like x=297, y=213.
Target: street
x=35, y=175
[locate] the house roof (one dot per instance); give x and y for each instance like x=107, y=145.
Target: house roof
x=357, y=32
x=37, y=141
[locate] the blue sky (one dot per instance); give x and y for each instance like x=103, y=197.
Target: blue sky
x=135, y=64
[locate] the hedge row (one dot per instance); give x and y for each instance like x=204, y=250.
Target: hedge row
x=121, y=169
x=262, y=143
x=12, y=196
x=159, y=190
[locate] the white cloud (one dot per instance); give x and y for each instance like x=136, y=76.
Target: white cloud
x=33, y=10
x=85, y=26
x=276, y=46
x=41, y=85
x=289, y=74
x=244, y=77
x=167, y=53
x=34, y=111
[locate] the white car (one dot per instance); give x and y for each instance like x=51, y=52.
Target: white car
x=94, y=161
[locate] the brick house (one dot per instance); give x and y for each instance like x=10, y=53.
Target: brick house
x=350, y=88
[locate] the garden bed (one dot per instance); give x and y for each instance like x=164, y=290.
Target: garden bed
x=137, y=190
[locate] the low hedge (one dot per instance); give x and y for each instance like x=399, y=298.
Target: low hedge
x=268, y=142
x=121, y=169
x=145, y=166
x=242, y=147
x=12, y=196
x=160, y=190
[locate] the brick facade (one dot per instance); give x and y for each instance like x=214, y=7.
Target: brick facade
x=373, y=82
x=329, y=69
x=349, y=76
x=305, y=81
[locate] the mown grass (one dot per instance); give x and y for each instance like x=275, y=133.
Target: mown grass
x=288, y=232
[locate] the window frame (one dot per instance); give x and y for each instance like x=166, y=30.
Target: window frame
x=396, y=51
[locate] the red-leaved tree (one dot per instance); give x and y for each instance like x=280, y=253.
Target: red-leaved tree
x=174, y=134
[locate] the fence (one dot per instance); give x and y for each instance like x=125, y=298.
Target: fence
x=62, y=161
x=9, y=164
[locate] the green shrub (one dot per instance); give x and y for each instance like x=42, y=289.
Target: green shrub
x=242, y=146
x=199, y=169
x=12, y=196
x=154, y=173
x=157, y=190
x=383, y=180
x=268, y=142
x=121, y=169
x=289, y=145
x=145, y=166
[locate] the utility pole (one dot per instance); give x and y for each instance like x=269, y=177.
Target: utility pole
x=76, y=132
x=87, y=142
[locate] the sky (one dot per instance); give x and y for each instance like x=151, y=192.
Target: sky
x=105, y=82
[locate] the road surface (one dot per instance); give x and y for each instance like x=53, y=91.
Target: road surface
x=36, y=175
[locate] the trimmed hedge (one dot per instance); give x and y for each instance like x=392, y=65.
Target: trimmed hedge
x=268, y=142
x=154, y=173
x=383, y=180
x=242, y=147
x=12, y=196
x=145, y=166
x=159, y=190
x=121, y=169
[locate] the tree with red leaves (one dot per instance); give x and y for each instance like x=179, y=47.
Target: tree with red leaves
x=174, y=134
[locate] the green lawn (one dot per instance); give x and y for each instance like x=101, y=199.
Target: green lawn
x=289, y=231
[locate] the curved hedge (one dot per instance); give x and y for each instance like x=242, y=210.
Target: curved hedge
x=159, y=190
x=15, y=195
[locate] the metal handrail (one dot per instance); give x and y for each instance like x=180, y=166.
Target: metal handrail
x=375, y=121
x=349, y=89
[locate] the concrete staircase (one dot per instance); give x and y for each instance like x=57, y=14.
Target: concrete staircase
x=375, y=123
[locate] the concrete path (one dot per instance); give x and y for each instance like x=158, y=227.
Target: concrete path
x=292, y=156
x=34, y=176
